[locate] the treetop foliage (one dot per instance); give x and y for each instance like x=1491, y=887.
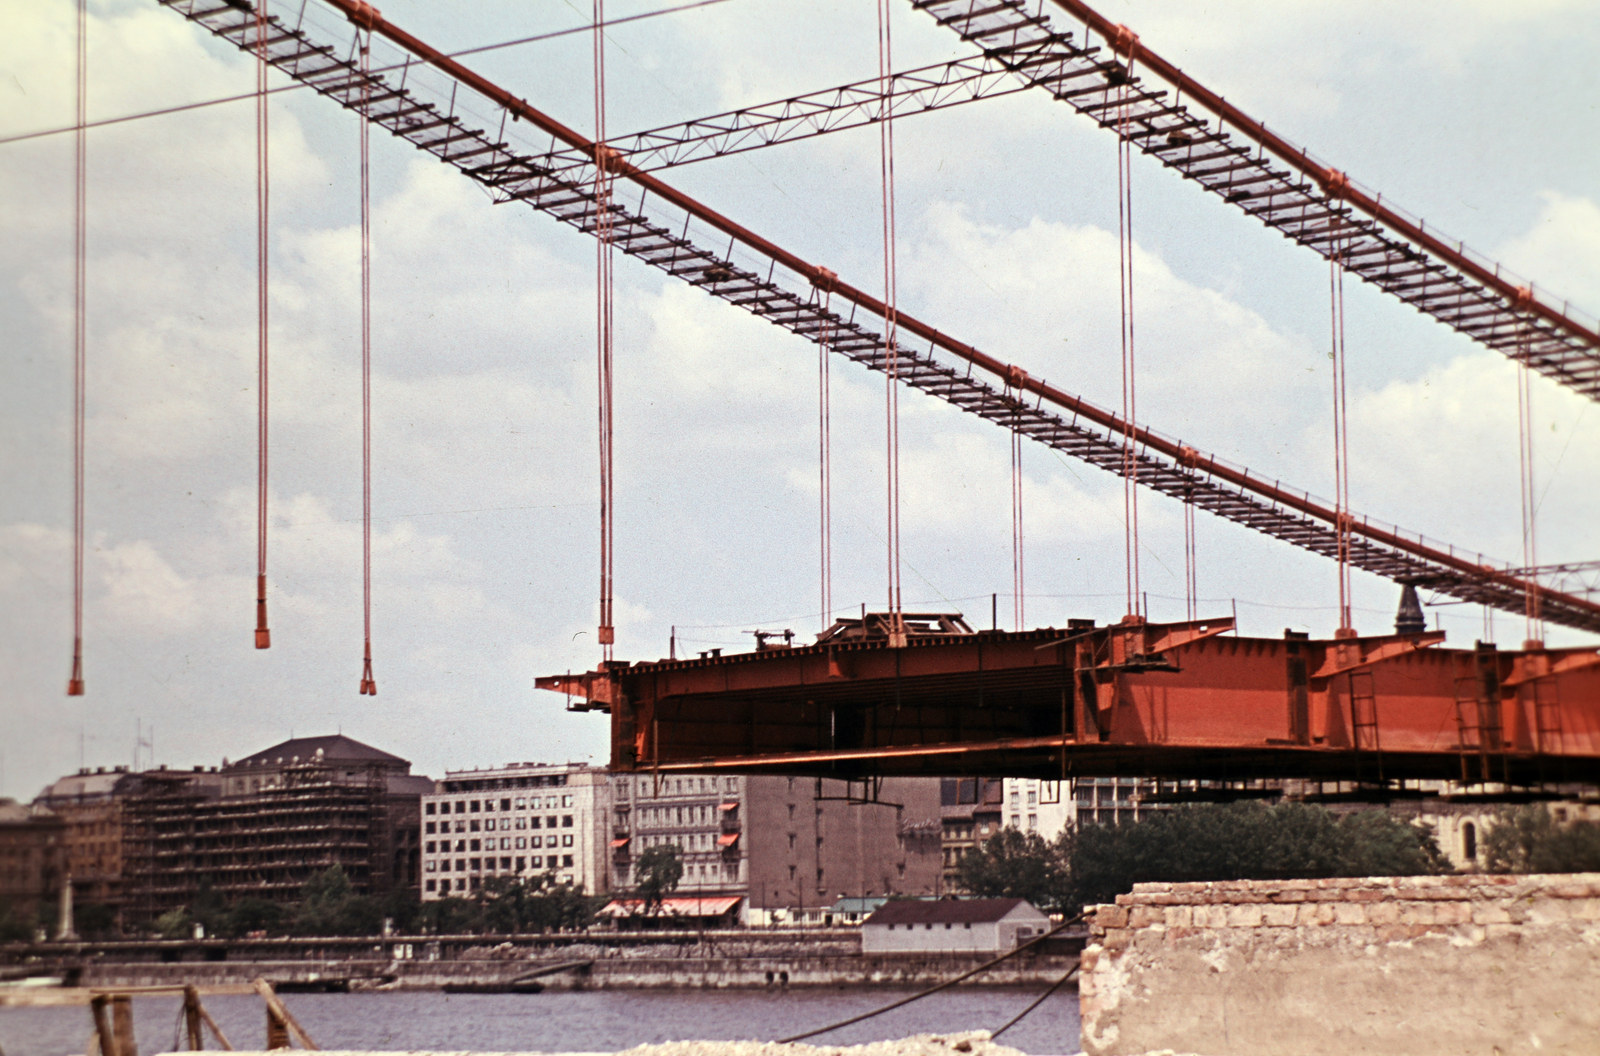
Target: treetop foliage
x=1528, y=840
x=1236, y=841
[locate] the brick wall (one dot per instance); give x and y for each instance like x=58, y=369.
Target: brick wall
x=1410, y=965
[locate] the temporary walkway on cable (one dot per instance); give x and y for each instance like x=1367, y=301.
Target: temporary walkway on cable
x=422, y=96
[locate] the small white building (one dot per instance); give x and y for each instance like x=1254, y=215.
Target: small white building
x=972, y=925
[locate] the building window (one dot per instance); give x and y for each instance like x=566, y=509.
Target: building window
x=461, y=883
x=521, y=803
x=461, y=865
x=430, y=847
x=533, y=822
x=473, y=826
x=1033, y=798
x=475, y=845
x=430, y=885
x=429, y=828
x=505, y=804
x=522, y=863
x=427, y=808
x=1469, y=841
x=474, y=806
x=566, y=801
x=1016, y=821
x=488, y=825
x=566, y=863
x=566, y=821
x=566, y=841
x=1049, y=791
x=522, y=843
x=427, y=866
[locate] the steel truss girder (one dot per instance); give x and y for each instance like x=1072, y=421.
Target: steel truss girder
x=796, y=297
x=1524, y=324
x=1174, y=700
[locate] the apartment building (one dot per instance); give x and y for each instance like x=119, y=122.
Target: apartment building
x=702, y=815
x=517, y=820
x=89, y=803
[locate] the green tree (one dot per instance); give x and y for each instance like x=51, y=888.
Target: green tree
x=254, y=914
x=94, y=920
x=175, y=924
x=1243, y=841
x=1527, y=840
x=1014, y=864
x=329, y=905
x=658, y=872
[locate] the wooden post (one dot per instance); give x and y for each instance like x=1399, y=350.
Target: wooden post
x=280, y=1020
x=191, y=1018
x=122, y=1026
x=277, y=1030
x=104, y=1043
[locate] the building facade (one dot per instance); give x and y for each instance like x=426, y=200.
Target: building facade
x=518, y=820
x=971, y=810
x=703, y=816
x=89, y=804
x=265, y=825
x=815, y=841
x=32, y=862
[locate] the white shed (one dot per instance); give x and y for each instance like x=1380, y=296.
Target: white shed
x=972, y=925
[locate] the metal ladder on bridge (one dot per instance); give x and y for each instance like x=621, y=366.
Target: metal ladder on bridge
x=1364, y=719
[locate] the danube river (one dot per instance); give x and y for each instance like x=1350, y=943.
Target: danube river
x=568, y=1021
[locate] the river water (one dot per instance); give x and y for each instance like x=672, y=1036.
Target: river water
x=568, y=1021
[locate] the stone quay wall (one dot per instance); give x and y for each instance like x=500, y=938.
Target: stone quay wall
x=1411, y=966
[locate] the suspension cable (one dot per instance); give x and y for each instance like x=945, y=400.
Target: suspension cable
x=1534, y=628
x=1128, y=43
x=825, y=456
x=263, y=635
x=1191, y=576
x=603, y=326
x=891, y=321
x=1341, y=423
x=1018, y=579
x=79, y=344
x=369, y=685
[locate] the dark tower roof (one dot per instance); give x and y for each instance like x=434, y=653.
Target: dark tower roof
x=337, y=748
x=1410, y=620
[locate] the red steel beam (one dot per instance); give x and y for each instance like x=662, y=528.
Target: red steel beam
x=1161, y=700
x=367, y=16
x=1337, y=184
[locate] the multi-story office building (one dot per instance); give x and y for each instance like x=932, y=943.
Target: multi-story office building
x=32, y=861
x=816, y=841
x=265, y=825
x=518, y=820
x=703, y=816
x=971, y=810
x=89, y=803
x=1044, y=808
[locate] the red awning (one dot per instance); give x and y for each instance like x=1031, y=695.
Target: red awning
x=730, y=806
x=727, y=839
x=623, y=842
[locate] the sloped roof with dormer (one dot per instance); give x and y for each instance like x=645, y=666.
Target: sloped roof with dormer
x=951, y=911
x=335, y=749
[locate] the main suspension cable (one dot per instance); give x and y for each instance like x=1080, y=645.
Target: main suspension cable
x=263, y=635
x=369, y=685
x=1128, y=43
x=897, y=635
x=603, y=326
x=79, y=343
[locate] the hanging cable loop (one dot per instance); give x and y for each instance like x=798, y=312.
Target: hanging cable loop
x=369, y=685
x=79, y=343
x=263, y=634
x=603, y=328
x=897, y=632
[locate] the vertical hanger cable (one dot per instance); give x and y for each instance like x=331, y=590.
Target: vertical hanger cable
x=79, y=343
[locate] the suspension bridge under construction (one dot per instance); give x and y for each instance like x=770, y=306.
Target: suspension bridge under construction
x=898, y=692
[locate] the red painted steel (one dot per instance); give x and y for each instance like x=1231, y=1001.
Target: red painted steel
x=1169, y=700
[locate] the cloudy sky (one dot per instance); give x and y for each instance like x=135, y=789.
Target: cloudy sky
x=1478, y=116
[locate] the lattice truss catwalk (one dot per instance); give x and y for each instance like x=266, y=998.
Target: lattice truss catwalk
x=519, y=154
x=489, y=135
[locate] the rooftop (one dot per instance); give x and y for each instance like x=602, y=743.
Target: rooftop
x=337, y=748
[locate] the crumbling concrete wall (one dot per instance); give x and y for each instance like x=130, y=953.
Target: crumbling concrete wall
x=1393, y=965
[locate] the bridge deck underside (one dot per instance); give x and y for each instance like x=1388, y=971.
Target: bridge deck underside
x=1223, y=709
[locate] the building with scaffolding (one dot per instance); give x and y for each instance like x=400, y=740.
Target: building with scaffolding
x=89, y=804
x=263, y=826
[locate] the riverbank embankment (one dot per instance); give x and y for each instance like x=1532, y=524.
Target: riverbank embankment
x=660, y=960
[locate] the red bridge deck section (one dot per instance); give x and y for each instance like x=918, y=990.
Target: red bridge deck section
x=1187, y=700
